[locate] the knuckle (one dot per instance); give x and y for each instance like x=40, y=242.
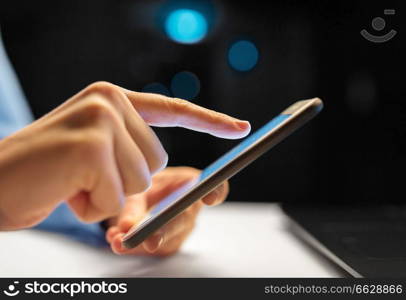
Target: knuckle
x=97, y=109
x=92, y=112
x=180, y=105
x=102, y=87
x=108, y=91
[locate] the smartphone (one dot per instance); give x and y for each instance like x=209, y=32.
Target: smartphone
x=225, y=167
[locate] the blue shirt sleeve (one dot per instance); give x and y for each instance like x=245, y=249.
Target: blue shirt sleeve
x=14, y=115
x=62, y=220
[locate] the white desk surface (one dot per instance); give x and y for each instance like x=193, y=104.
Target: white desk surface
x=231, y=240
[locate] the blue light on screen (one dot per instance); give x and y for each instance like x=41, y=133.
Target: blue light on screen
x=186, y=26
x=229, y=156
x=221, y=162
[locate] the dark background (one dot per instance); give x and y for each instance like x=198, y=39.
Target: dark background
x=353, y=151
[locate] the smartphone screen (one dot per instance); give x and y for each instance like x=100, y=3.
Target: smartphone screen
x=219, y=163
x=230, y=163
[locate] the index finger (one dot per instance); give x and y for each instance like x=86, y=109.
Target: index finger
x=162, y=111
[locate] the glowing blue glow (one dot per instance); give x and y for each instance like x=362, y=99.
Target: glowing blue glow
x=243, y=56
x=185, y=85
x=186, y=26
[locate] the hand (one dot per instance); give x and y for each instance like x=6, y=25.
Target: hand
x=170, y=237
x=93, y=151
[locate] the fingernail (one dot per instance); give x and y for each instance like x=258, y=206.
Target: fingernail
x=211, y=197
x=119, y=246
x=215, y=195
x=154, y=242
x=243, y=125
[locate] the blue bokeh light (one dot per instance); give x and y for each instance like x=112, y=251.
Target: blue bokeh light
x=243, y=55
x=186, y=26
x=156, y=88
x=185, y=85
